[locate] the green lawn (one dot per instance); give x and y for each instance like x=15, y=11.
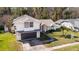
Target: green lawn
x=69, y=48
x=61, y=39
x=8, y=42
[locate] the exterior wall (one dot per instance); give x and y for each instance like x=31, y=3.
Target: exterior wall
x=20, y=25
x=38, y=34
x=18, y=36
x=36, y=25
x=46, y=28
x=76, y=24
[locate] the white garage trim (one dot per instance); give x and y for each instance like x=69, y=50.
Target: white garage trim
x=38, y=34
x=18, y=36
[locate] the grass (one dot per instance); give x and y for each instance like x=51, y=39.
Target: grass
x=8, y=42
x=61, y=39
x=69, y=48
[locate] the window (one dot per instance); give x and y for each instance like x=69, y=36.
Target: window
x=31, y=24
x=28, y=24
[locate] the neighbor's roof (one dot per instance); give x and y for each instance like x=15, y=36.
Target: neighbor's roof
x=47, y=22
x=61, y=20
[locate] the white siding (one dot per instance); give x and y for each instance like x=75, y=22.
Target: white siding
x=20, y=25
x=76, y=24
x=36, y=25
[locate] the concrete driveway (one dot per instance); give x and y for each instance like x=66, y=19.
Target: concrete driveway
x=27, y=47
x=33, y=45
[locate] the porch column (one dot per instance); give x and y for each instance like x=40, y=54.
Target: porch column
x=38, y=34
x=18, y=36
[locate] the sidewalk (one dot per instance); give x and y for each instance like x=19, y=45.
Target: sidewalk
x=62, y=46
x=27, y=47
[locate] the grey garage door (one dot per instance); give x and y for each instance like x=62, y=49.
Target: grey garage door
x=28, y=35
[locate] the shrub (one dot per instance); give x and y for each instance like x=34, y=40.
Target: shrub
x=1, y=27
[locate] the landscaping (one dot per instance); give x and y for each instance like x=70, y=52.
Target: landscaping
x=62, y=39
x=8, y=42
x=69, y=48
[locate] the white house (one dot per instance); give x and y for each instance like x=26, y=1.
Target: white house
x=66, y=23
x=28, y=27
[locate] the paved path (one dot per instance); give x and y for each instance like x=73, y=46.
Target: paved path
x=27, y=47
x=62, y=46
x=38, y=48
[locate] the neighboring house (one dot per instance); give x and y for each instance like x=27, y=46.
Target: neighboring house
x=28, y=27
x=55, y=27
x=66, y=23
x=61, y=21
x=74, y=23
x=5, y=29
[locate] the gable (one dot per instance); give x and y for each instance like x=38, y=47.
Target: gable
x=25, y=18
x=47, y=22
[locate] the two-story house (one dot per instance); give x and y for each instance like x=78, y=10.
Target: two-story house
x=28, y=27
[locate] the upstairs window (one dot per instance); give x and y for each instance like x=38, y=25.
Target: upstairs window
x=31, y=24
x=28, y=24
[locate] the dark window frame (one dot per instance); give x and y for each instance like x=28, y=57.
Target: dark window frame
x=31, y=24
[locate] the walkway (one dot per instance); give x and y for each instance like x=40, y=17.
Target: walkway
x=62, y=46
x=27, y=47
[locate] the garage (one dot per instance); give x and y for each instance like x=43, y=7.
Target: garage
x=28, y=35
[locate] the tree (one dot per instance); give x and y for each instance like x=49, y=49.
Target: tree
x=67, y=15
x=57, y=13
x=65, y=30
x=9, y=23
x=38, y=12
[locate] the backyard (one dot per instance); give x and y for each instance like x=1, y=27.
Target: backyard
x=61, y=39
x=8, y=42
